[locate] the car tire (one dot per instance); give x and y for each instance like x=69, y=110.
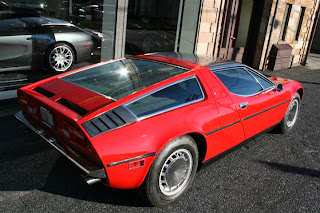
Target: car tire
x=172, y=172
x=60, y=57
x=291, y=116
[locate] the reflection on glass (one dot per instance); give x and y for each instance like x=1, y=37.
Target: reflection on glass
x=170, y=97
x=33, y=34
x=121, y=78
x=151, y=26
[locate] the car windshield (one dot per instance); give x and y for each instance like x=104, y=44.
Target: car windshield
x=120, y=78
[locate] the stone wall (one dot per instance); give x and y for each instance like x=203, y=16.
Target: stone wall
x=210, y=26
x=299, y=46
x=211, y=22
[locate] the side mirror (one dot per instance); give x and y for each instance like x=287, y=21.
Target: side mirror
x=280, y=87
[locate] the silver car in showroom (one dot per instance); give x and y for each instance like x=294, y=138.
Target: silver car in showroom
x=32, y=42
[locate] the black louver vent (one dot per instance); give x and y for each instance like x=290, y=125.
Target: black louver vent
x=44, y=92
x=72, y=106
x=105, y=122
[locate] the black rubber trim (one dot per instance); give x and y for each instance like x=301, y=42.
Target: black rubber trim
x=131, y=159
x=226, y=126
x=246, y=118
x=108, y=121
x=72, y=106
x=216, y=130
x=223, y=154
x=44, y=92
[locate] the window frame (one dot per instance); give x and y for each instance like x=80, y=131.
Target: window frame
x=170, y=108
x=285, y=23
x=251, y=72
x=301, y=17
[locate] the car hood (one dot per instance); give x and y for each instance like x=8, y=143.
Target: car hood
x=76, y=98
x=278, y=80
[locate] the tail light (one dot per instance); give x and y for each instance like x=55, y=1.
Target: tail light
x=30, y=106
x=69, y=131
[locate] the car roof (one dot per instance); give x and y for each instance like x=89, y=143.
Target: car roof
x=44, y=21
x=204, y=60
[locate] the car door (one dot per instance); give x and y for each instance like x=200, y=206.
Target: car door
x=258, y=103
x=15, y=44
x=230, y=131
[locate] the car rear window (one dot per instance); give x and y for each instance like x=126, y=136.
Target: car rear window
x=120, y=78
x=176, y=95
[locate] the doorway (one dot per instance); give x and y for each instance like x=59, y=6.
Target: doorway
x=236, y=25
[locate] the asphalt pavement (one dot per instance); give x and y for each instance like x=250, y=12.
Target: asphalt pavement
x=273, y=173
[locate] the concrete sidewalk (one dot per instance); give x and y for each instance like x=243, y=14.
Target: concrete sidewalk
x=313, y=61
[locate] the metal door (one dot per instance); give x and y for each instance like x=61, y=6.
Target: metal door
x=15, y=44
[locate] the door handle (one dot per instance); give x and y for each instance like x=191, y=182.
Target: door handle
x=29, y=38
x=244, y=105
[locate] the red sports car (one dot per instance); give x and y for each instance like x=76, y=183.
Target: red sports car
x=150, y=121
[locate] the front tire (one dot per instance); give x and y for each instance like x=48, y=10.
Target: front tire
x=291, y=115
x=172, y=172
x=60, y=57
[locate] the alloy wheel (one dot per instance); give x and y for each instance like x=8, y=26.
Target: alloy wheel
x=61, y=58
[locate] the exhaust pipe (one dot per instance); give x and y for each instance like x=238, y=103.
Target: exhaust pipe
x=91, y=180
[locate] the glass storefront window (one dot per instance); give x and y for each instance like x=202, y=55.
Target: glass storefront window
x=52, y=36
x=151, y=26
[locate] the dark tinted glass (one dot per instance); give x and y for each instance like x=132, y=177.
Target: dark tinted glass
x=151, y=26
x=239, y=81
x=123, y=77
x=172, y=96
x=8, y=24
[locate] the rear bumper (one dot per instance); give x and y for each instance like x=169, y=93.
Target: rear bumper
x=100, y=173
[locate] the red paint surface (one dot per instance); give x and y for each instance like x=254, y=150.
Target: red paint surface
x=218, y=109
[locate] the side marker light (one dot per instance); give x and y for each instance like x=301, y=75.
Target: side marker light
x=136, y=164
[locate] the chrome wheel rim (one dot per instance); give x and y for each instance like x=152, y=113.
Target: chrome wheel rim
x=61, y=58
x=175, y=172
x=292, y=113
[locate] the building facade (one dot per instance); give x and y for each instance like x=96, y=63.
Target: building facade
x=245, y=30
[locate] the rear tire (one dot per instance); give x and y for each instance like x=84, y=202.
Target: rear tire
x=172, y=172
x=291, y=115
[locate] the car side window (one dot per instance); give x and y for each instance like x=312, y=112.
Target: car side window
x=264, y=82
x=9, y=24
x=179, y=94
x=239, y=81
